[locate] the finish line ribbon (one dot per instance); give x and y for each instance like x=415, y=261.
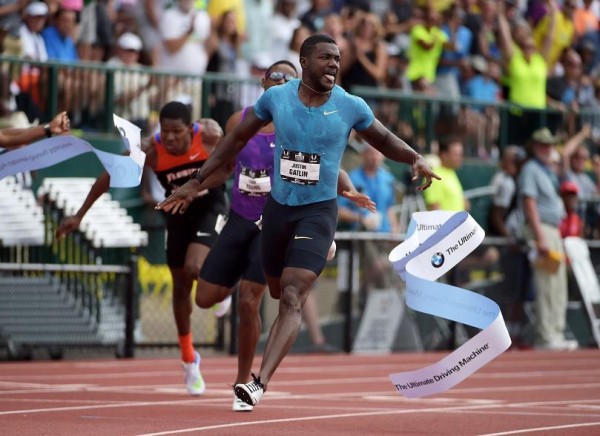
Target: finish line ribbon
x=125, y=171
x=436, y=242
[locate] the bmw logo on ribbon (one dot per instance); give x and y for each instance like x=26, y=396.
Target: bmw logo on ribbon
x=437, y=260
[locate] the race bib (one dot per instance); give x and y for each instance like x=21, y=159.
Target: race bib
x=254, y=182
x=300, y=168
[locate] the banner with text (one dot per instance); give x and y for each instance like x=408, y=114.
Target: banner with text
x=436, y=242
x=125, y=171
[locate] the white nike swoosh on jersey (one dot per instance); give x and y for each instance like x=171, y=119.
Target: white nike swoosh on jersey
x=203, y=234
x=272, y=144
x=331, y=112
x=302, y=237
x=194, y=156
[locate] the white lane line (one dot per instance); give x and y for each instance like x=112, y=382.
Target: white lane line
x=65, y=401
x=530, y=388
x=321, y=362
x=273, y=396
x=156, y=389
x=450, y=409
x=354, y=415
x=554, y=427
x=103, y=376
x=304, y=418
x=111, y=406
x=14, y=380
x=287, y=369
x=517, y=413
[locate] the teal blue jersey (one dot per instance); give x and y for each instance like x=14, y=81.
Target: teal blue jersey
x=309, y=141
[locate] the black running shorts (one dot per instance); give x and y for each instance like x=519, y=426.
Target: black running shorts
x=235, y=254
x=196, y=225
x=297, y=236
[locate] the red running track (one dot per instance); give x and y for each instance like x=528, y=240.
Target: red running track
x=521, y=392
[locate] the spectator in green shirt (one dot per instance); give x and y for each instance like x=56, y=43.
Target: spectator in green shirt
x=448, y=195
x=427, y=41
x=526, y=72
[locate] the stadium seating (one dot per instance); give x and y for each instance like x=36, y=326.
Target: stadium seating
x=106, y=224
x=42, y=312
x=22, y=219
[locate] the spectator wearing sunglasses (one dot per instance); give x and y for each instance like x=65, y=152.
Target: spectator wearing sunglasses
x=313, y=119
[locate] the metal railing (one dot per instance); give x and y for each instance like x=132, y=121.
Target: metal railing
x=92, y=92
x=432, y=117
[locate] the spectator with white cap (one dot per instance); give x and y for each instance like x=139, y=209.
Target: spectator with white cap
x=29, y=98
x=130, y=41
x=132, y=88
x=34, y=20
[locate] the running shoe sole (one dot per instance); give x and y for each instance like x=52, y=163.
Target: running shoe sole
x=243, y=395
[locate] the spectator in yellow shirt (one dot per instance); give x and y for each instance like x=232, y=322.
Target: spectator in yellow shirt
x=564, y=31
x=526, y=70
x=427, y=42
x=448, y=195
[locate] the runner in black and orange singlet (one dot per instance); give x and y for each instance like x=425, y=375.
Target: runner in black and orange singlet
x=178, y=150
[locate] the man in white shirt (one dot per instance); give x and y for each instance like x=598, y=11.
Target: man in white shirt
x=34, y=20
x=282, y=26
x=185, y=32
x=28, y=97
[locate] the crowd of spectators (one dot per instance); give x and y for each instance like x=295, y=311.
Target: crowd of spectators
x=536, y=54
x=541, y=56
x=496, y=80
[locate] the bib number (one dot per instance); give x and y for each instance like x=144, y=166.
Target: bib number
x=256, y=183
x=300, y=168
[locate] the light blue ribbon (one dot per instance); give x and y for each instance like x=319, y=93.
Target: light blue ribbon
x=125, y=171
x=436, y=242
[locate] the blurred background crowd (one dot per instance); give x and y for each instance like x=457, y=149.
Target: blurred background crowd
x=536, y=54
x=485, y=74
x=468, y=83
